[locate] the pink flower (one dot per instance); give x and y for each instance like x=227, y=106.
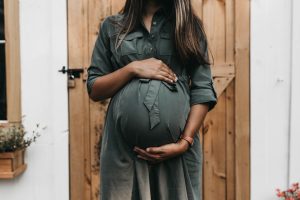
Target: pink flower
x=292, y=193
x=295, y=186
x=290, y=198
x=290, y=190
x=280, y=194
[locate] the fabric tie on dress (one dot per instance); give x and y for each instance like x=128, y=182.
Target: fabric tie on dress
x=151, y=99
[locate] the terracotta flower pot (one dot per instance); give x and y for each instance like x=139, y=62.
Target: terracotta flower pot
x=12, y=164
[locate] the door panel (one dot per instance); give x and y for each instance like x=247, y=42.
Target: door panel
x=225, y=131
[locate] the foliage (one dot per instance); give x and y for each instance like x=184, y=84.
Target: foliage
x=292, y=193
x=14, y=137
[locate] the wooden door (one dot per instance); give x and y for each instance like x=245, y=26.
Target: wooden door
x=225, y=132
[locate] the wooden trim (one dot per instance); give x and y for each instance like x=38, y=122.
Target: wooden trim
x=221, y=84
x=226, y=70
x=242, y=100
x=13, y=73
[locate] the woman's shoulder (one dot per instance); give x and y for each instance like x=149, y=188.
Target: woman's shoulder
x=110, y=23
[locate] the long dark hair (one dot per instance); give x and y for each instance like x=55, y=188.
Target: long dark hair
x=190, y=38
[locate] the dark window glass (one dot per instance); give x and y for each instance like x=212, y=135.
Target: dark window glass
x=3, y=104
x=1, y=20
x=3, y=110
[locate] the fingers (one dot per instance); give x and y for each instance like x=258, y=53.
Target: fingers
x=159, y=70
x=148, y=156
x=170, y=74
x=155, y=150
x=167, y=75
x=164, y=78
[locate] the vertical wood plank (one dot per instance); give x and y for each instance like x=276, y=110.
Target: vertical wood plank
x=215, y=152
x=242, y=104
x=215, y=172
x=116, y=6
x=13, y=71
x=214, y=24
x=230, y=143
x=97, y=11
x=230, y=27
x=78, y=103
x=198, y=7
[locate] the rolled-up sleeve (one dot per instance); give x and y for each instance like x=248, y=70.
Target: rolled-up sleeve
x=100, y=61
x=202, y=89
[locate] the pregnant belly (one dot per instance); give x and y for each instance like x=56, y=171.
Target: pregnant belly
x=151, y=112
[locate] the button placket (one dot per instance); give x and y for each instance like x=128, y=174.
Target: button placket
x=152, y=36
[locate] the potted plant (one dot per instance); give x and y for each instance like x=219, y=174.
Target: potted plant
x=13, y=142
x=292, y=193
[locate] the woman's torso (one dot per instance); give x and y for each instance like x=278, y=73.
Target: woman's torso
x=150, y=112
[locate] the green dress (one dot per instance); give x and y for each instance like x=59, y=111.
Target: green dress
x=147, y=112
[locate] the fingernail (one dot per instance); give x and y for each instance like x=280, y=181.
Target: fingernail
x=147, y=149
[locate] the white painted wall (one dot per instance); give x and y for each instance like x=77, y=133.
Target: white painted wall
x=294, y=167
x=43, y=32
x=275, y=98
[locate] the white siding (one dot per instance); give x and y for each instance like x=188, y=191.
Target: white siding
x=274, y=67
x=295, y=96
x=43, y=33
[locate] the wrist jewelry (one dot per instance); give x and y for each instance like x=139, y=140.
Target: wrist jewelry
x=189, y=139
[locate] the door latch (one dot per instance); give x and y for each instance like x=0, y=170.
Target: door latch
x=72, y=73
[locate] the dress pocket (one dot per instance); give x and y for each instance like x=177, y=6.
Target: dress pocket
x=165, y=47
x=129, y=44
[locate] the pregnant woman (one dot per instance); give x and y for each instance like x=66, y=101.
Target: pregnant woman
x=151, y=59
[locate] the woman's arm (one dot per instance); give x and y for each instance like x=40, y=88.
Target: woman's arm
x=107, y=85
x=195, y=119
x=157, y=154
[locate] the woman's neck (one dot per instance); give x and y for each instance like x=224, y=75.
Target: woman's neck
x=151, y=7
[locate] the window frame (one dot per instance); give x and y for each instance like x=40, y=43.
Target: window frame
x=12, y=65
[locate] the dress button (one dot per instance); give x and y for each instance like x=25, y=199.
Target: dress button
x=152, y=36
x=154, y=23
x=150, y=50
x=153, y=51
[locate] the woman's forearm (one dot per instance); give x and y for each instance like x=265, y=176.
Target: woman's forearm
x=195, y=118
x=106, y=86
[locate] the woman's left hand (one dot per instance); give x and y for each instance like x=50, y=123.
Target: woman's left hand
x=161, y=153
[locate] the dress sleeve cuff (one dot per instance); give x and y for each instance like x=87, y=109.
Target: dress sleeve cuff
x=205, y=95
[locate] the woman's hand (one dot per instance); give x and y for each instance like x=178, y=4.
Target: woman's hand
x=154, y=69
x=161, y=153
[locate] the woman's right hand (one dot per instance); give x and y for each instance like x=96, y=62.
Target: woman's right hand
x=154, y=69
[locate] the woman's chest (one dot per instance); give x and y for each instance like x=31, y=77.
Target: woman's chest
x=141, y=44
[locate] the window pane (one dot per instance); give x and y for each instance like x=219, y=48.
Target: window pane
x=3, y=110
x=1, y=20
